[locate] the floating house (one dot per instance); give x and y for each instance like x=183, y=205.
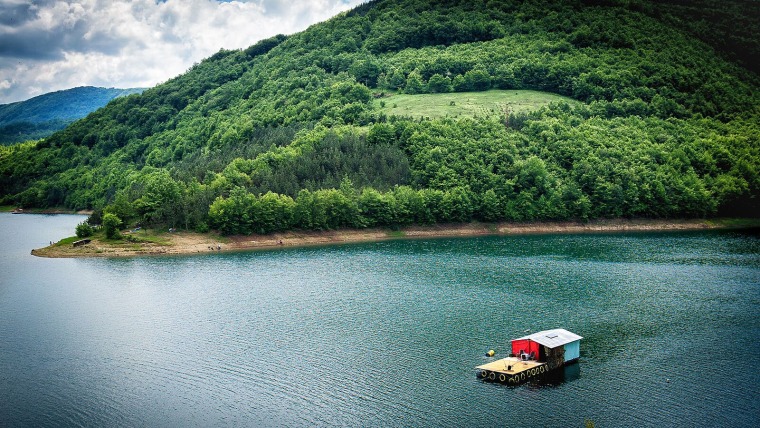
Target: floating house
x=534, y=355
x=557, y=346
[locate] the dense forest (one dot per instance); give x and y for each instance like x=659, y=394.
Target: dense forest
x=291, y=132
x=41, y=116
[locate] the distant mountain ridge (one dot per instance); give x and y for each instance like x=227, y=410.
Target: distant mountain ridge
x=42, y=115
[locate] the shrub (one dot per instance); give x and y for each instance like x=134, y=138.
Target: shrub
x=111, y=224
x=95, y=218
x=84, y=230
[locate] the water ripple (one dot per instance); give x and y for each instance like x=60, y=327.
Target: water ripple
x=386, y=334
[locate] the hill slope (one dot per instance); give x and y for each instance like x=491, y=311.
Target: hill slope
x=42, y=115
x=288, y=133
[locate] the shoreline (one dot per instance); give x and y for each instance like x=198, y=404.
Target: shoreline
x=50, y=211
x=151, y=243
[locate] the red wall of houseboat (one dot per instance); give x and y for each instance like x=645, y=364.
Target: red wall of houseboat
x=526, y=346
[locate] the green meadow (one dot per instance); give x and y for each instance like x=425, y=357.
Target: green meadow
x=466, y=104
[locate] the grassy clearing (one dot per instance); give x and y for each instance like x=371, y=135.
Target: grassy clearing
x=128, y=242
x=396, y=234
x=148, y=236
x=466, y=104
x=127, y=239
x=67, y=241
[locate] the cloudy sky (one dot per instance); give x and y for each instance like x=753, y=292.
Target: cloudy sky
x=48, y=45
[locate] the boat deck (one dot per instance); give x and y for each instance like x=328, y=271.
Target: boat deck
x=511, y=369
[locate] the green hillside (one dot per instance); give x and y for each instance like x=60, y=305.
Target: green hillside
x=42, y=115
x=652, y=118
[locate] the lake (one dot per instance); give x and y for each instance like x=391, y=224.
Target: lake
x=380, y=334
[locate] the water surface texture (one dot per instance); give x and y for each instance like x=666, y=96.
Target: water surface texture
x=382, y=334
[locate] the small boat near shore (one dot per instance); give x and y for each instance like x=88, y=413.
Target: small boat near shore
x=533, y=356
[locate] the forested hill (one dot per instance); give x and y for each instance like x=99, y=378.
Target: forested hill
x=44, y=114
x=654, y=119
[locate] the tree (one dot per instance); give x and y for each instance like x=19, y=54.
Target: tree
x=457, y=206
x=366, y=71
x=111, y=225
x=233, y=215
x=490, y=209
x=439, y=84
x=414, y=83
x=375, y=208
x=478, y=80
x=303, y=215
x=161, y=199
x=460, y=84
x=410, y=207
x=84, y=230
x=396, y=80
x=381, y=133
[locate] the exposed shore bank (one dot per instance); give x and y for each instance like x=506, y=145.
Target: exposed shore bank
x=164, y=243
x=16, y=210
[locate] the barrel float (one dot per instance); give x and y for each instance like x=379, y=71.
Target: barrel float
x=490, y=353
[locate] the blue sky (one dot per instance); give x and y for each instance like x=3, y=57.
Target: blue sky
x=48, y=45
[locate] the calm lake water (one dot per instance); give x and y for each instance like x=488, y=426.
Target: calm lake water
x=383, y=334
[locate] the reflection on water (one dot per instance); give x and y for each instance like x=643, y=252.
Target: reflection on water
x=557, y=377
x=384, y=334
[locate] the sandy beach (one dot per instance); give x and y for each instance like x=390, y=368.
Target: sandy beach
x=164, y=243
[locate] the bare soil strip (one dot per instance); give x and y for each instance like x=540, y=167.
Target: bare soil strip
x=197, y=243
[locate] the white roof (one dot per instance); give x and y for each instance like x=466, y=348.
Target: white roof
x=553, y=338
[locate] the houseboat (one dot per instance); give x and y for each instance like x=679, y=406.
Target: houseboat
x=533, y=356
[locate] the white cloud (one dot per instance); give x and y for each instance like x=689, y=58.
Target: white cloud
x=50, y=45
